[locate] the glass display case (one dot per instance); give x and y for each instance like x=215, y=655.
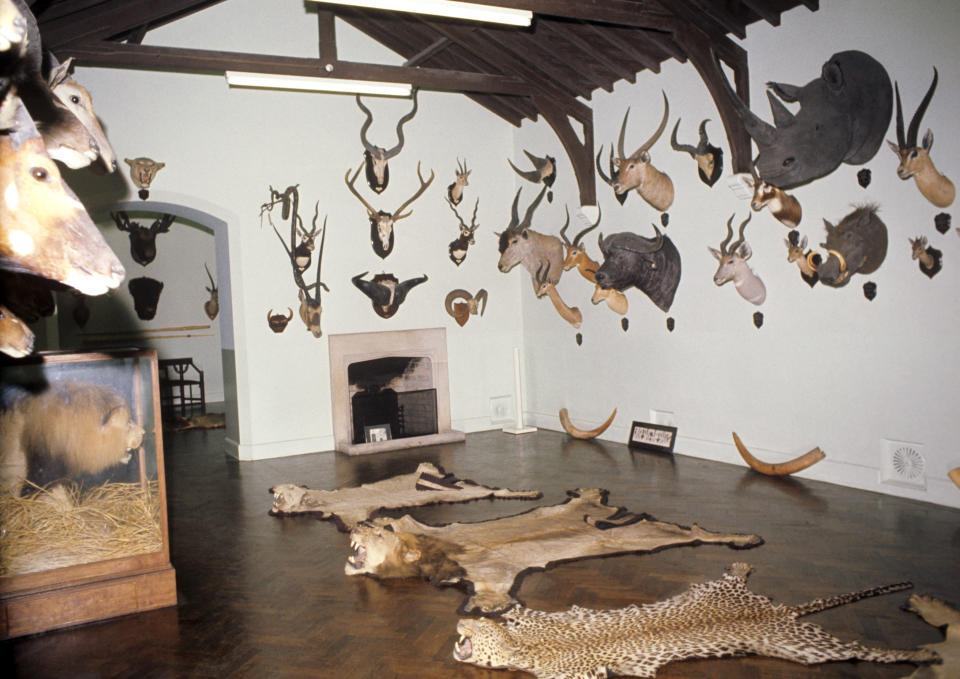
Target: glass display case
x=83, y=515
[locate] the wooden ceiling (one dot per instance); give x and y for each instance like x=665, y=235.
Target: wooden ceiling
x=572, y=48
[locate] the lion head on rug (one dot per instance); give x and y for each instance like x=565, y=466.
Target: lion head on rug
x=382, y=550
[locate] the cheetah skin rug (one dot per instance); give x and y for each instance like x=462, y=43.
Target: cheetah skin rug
x=939, y=614
x=716, y=619
x=347, y=507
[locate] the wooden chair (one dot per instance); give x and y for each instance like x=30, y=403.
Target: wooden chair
x=177, y=385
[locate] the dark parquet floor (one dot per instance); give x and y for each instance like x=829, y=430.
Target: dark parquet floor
x=262, y=597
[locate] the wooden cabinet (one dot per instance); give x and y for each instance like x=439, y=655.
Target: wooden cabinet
x=85, y=537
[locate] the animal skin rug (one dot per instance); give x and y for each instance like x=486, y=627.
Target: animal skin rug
x=349, y=506
x=715, y=619
x=491, y=556
x=939, y=614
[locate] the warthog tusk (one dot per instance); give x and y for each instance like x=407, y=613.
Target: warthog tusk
x=580, y=433
x=809, y=458
x=954, y=475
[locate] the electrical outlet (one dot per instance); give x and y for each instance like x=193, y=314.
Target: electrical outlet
x=663, y=417
x=902, y=464
x=501, y=409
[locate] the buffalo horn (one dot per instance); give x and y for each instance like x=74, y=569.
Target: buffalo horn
x=809, y=458
x=581, y=433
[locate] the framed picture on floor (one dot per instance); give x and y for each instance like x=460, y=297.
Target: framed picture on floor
x=374, y=433
x=655, y=437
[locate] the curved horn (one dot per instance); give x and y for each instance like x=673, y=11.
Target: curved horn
x=656, y=135
x=563, y=234
x=723, y=243
x=396, y=149
x=623, y=131
x=454, y=295
x=528, y=215
x=289, y=314
x=269, y=315
x=921, y=109
x=366, y=126
x=647, y=249
x=530, y=175
x=514, y=217
x=579, y=237
x=581, y=433
x=809, y=458
x=677, y=146
x=901, y=139
x=810, y=260
x=213, y=283
x=743, y=226
x=954, y=475
x=703, y=134
x=481, y=299
x=604, y=177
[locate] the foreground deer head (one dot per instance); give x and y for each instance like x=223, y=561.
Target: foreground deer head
x=76, y=139
x=455, y=190
x=381, y=223
x=212, y=306
x=915, y=160
x=733, y=265
x=375, y=157
x=143, y=239
x=571, y=315
x=458, y=247
x=576, y=252
x=709, y=158
x=636, y=172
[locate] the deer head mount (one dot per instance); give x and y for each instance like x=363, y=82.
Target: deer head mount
x=930, y=259
x=460, y=305
x=709, y=158
x=375, y=157
x=455, y=190
x=636, y=171
x=143, y=239
x=212, y=306
x=733, y=265
x=915, y=160
x=458, y=247
x=385, y=291
x=381, y=223
x=278, y=322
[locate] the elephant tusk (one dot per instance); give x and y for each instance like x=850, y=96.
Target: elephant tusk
x=954, y=475
x=809, y=458
x=580, y=433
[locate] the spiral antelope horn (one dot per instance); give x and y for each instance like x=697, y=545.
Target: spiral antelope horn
x=808, y=459
x=581, y=433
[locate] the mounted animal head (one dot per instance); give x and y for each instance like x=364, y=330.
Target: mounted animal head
x=461, y=311
x=278, y=322
x=385, y=291
x=303, y=253
x=16, y=339
x=650, y=264
x=806, y=260
x=311, y=302
x=143, y=170
x=13, y=28
x=75, y=137
x=575, y=252
x=636, y=172
x=784, y=207
x=381, y=223
x=455, y=190
x=375, y=157
x=858, y=244
x=918, y=247
x=143, y=240
x=81, y=312
x=732, y=265
x=212, y=306
x=46, y=230
x=458, y=247
x=146, y=296
x=515, y=241
x=544, y=169
x=709, y=158
x=915, y=160
x=842, y=118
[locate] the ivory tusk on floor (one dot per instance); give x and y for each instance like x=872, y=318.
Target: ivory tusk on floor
x=580, y=433
x=809, y=458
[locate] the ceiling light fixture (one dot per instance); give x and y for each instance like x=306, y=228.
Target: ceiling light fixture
x=447, y=8
x=317, y=84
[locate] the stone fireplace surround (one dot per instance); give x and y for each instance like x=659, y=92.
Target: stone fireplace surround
x=364, y=346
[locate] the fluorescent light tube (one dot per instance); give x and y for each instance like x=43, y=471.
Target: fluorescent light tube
x=317, y=84
x=447, y=8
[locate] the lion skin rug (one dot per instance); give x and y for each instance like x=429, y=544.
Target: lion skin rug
x=347, y=507
x=716, y=619
x=491, y=556
x=939, y=614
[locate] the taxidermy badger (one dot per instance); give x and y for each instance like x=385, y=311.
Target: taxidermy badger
x=69, y=429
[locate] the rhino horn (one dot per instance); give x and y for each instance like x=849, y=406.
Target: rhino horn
x=759, y=130
x=781, y=114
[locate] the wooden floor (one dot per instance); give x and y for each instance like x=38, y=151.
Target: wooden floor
x=267, y=597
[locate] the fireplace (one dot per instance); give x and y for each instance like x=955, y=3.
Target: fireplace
x=389, y=390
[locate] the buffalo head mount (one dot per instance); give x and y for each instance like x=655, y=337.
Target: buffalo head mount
x=842, y=118
x=381, y=223
x=385, y=291
x=278, y=322
x=460, y=305
x=146, y=296
x=458, y=247
x=709, y=158
x=636, y=172
x=858, y=244
x=915, y=160
x=650, y=264
x=375, y=157
x=143, y=239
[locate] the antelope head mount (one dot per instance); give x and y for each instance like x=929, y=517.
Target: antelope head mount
x=544, y=171
x=575, y=252
x=455, y=190
x=733, y=265
x=929, y=258
x=709, y=158
x=381, y=223
x=375, y=157
x=458, y=247
x=806, y=260
x=571, y=315
x=636, y=171
x=915, y=160
x=212, y=306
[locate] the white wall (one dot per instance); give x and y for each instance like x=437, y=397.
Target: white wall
x=224, y=148
x=828, y=367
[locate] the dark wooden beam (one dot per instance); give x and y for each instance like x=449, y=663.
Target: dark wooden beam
x=579, y=153
x=763, y=10
x=423, y=55
x=604, y=73
x=812, y=5
x=627, y=47
x=210, y=61
x=326, y=36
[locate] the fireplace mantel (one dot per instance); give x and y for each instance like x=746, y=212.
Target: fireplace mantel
x=356, y=347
